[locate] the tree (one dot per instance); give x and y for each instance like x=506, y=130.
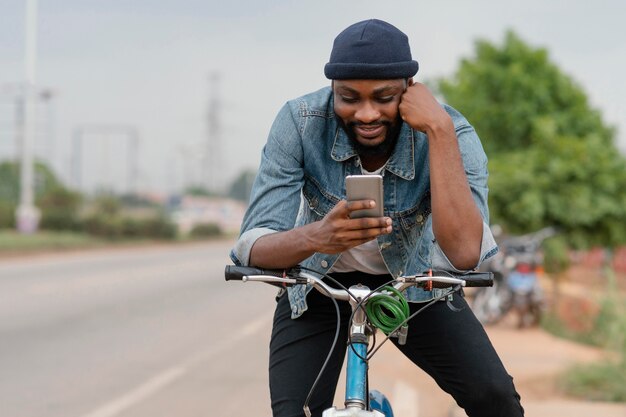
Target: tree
x=241, y=187
x=507, y=91
x=552, y=159
x=59, y=205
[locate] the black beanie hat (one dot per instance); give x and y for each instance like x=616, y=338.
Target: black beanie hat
x=371, y=49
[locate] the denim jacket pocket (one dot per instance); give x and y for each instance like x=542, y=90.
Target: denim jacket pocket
x=413, y=220
x=319, y=200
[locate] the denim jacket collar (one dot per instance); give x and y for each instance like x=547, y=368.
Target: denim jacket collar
x=401, y=162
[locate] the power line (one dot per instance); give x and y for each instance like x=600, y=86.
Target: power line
x=27, y=215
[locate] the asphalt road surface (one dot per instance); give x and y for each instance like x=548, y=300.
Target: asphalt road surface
x=156, y=332
x=132, y=332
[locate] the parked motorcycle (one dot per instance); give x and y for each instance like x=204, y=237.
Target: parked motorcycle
x=516, y=268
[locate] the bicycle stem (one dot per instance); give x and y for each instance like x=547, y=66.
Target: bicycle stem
x=356, y=386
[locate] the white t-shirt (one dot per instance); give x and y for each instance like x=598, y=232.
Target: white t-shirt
x=364, y=258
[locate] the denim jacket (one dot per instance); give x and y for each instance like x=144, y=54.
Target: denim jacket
x=301, y=177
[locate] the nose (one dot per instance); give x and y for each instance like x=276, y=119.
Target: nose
x=367, y=113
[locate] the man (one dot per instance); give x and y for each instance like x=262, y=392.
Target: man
x=374, y=119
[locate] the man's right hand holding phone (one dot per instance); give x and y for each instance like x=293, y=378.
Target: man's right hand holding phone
x=338, y=232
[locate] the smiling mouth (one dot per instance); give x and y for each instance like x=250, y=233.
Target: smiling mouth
x=369, y=131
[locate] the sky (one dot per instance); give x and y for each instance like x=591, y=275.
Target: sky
x=147, y=65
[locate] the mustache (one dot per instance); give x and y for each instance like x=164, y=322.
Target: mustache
x=371, y=124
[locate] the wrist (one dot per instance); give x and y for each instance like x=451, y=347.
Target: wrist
x=308, y=237
x=441, y=127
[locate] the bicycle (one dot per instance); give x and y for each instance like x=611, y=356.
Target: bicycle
x=382, y=308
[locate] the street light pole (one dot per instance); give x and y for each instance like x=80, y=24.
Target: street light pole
x=27, y=214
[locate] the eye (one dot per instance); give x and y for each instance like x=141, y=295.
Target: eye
x=385, y=99
x=348, y=99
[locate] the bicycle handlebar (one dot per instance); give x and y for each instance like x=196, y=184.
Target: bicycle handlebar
x=293, y=276
x=232, y=272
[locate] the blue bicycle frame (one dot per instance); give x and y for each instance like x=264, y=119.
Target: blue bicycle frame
x=356, y=374
x=356, y=383
x=358, y=401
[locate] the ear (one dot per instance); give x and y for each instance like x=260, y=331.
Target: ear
x=410, y=81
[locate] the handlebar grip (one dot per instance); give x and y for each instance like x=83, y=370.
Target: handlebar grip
x=478, y=279
x=472, y=279
x=233, y=272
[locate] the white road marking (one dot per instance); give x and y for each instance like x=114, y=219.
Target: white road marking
x=139, y=394
x=404, y=400
x=224, y=344
x=165, y=378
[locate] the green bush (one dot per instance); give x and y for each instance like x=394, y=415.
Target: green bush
x=59, y=209
x=605, y=380
x=7, y=215
x=205, y=230
x=116, y=227
x=158, y=227
x=107, y=204
x=131, y=227
x=556, y=255
x=60, y=220
x=101, y=225
x=58, y=205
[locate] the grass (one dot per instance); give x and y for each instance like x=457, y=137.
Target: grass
x=604, y=380
x=12, y=242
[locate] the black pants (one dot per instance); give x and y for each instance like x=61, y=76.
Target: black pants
x=451, y=346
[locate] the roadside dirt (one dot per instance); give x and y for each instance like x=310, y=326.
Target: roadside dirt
x=532, y=356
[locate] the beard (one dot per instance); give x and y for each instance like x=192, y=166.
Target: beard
x=384, y=148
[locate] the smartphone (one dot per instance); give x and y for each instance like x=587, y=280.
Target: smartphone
x=365, y=187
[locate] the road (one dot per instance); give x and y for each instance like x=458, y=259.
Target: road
x=155, y=331
x=130, y=332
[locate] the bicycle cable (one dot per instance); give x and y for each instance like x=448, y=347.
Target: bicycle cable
x=375, y=348
x=333, y=280
x=387, y=311
x=359, y=306
x=431, y=302
x=305, y=407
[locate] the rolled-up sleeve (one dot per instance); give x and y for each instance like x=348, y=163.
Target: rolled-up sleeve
x=240, y=254
x=488, y=248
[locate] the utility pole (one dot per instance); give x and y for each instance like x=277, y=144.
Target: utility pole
x=76, y=158
x=10, y=120
x=48, y=151
x=133, y=161
x=44, y=144
x=213, y=157
x=27, y=215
